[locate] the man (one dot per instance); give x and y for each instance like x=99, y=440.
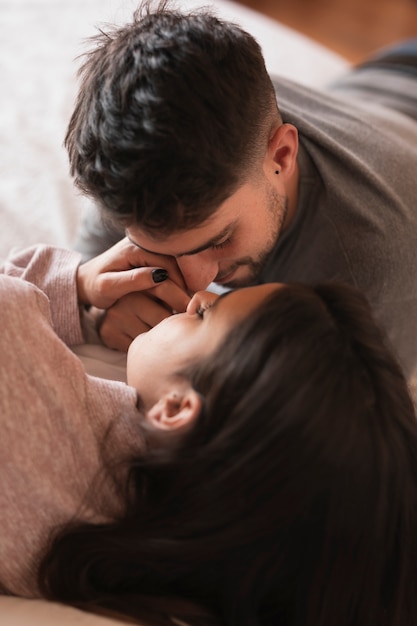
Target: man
x=178, y=136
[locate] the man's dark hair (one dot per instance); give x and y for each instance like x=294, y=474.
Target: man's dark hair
x=173, y=113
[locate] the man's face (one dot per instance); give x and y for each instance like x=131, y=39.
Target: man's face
x=232, y=246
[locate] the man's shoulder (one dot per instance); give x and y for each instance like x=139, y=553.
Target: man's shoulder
x=349, y=108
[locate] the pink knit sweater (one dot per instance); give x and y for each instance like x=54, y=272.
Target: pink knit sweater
x=59, y=426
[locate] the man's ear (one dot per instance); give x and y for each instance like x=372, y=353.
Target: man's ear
x=175, y=410
x=282, y=152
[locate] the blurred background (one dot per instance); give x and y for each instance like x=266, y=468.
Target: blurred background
x=353, y=28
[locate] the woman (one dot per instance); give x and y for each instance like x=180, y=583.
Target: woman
x=274, y=480
x=61, y=426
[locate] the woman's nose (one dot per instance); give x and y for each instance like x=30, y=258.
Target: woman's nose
x=201, y=300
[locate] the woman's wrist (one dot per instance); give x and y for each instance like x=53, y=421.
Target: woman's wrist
x=80, y=278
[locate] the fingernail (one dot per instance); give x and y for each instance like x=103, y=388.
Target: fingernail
x=158, y=276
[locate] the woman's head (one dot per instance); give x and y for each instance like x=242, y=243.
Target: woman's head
x=293, y=498
x=159, y=361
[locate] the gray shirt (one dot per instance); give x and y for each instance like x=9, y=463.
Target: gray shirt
x=356, y=219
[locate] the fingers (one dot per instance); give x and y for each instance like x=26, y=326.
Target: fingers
x=130, y=316
x=122, y=269
x=174, y=298
x=134, y=295
x=111, y=286
x=138, y=258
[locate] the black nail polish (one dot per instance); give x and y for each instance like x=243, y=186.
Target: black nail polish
x=158, y=276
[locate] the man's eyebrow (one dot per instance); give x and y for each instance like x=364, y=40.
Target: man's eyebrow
x=208, y=244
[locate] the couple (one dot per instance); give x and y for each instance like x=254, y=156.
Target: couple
x=259, y=467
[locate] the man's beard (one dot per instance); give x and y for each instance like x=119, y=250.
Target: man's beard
x=278, y=208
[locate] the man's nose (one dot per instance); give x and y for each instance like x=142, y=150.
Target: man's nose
x=197, y=272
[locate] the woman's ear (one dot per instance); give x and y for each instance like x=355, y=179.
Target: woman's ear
x=177, y=409
x=282, y=152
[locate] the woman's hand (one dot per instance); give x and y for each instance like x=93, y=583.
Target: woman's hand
x=124, y=269
x=136, y=289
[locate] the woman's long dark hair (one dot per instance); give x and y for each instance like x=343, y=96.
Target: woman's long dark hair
x=293, y=500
